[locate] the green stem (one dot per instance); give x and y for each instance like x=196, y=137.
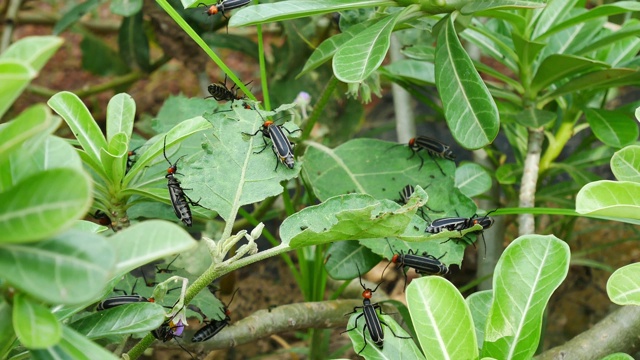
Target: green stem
x=562, y=136
x=264, y=80
x=257, y=214
x=206, y=48
x=140, y=347
x=318, y=109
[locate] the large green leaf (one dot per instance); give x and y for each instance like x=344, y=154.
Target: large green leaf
x=73, y=346
x=616, y=199
x=470, y=111
x=526, y=275
x=33, y=51
x=70, y=268
x=293, y=9
x=618, y=7
x=43, y=204
x=394, y=347
x=625, y=164
x=14, y=78
x=557, y=67
x=30, y=122
x=7, y=334
x=614, y=128
x=121, y=320
x=479, y=304
x=535, y=118
x=472, y=179
x=359, y=57
x=623, y=286
x=86, y=130
x=441, y=319
x=121, y=113
x=154, y=239
x=35, y=326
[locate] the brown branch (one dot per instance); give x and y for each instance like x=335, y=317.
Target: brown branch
x=618, y=332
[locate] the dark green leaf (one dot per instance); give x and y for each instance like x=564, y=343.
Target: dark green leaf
x=472, y=179
x=535, y=118
x=471, y=113
x=293, y=9
x=43, y=204
x=121, y=320
x=494, y=44
x=74, y=14
x=35, y=326
x=629, y=30
x=231, y=42
x=419, y=72
x=420, y=52
x=100, y=59
x=342, y=257
x=508, y=174
x=7, y=334
x=133, y=42
x=70, y=268
x=618, y=7
x=613, y=128
x=597, y=80
x=557, y=67
x=126, y=7
x=527, y=50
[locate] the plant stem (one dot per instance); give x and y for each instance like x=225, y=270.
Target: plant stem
x=529, y=181
x=264, y=80
x=318, y=109
x=9, y=24
x=405, y=124
x=562, y=136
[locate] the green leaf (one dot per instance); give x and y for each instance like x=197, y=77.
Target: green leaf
x=618, y=356
x=526, y=275
x=479, y=304
x=133, y=42
x=99, y=58
x=14, y=78
x=73, y=346
x=472, y=179
x=30, y=122
x=52, y=153
x=114, y=158
x=628, y=30
x=74, y=14
x=328, y=48
x=557, y=67
x=535, y=118
x=554, y=12
x=43, y=204
x=492, y=43
x=625, y=164
x=121, y=320
x=359, y=57
x=7, y=334
x=70, y=268
x=602, y=79
x=475, y=6
x=33, y=51
x=249, y=176
x=614, y=128
x=470, y=111
x=343, y=255
x=508, y=174
x=623, y=286
x=293, y=9
x=419, y=72
x=434, y=303
x=526, y=49
x=121, y=113
x=84, y=127
x=618, y=7
x=154, y=239
x=178, y=133
x=394, y=347
x=35, y=326
x=617, y=199
x=126, y=7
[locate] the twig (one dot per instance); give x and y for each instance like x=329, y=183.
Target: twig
x=9, y=24
x=405, y=124
x=618, y=332
x=529, y=180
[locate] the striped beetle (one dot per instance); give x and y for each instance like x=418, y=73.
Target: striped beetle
x=281, y=146
x=179, y=199
x=221, y=92
x=461, y=223
x=433, y=147
x=214, y=326
x=371, y=319
x=424, y=264
x=224, y=5
x=406, y=193
x=123, y=299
